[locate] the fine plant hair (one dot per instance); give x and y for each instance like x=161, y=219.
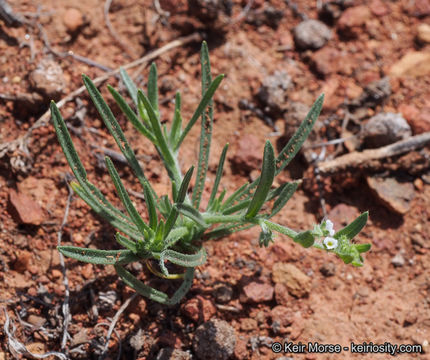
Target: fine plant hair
x=173, y=236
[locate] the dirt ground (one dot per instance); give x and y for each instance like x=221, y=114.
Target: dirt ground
x=367, y=57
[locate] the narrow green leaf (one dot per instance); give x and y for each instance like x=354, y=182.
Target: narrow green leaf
x=362, y=248
x=125, y=199
x=156, y=128
x=177, y=122
x=126, y=242
x=174, y=236
x=233, y=197
x=184, y=260
x=111, y=217
x=153, y=87
x=101, y=257
x=184, y=185
x=154, y=294
x=266, y=179
x=285, y=195
x=206, y=129
x=295, y=143
x=218, y=176
x=281, y=229
x=182, y=193
x=353, y=228
x=225, y=230
x=203, y=103
x=150, y=204
x=235, y=208
x=66, y=144
x=129, y=84
x=190, y=212
x=305, y=238
x=114, y=128
x=131, y=115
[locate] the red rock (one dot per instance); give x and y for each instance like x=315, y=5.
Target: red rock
x=297, y=283
x=56, y=274
x=283, y=315
x=414, y=64
x=241, y=349
x=87, y=271
x=379, y=8
x=423, y=33
x=353, y=19
x=421, y=123
x=248, y=155
x=73, y=19
x=419, y=7
x=199, y=309
x=394, y=195
x=326, y=60
x=409, y=112
x=257, y=292
x=23, y=261
x=248, y=324
x=24, y=209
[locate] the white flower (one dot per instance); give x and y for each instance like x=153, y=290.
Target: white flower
x=330, y=243
x=329, y=227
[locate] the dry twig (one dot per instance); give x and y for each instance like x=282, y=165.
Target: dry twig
x=113, y=323
x=18, y=348
x=356, y=159
x=19, y=147
x=65, y=307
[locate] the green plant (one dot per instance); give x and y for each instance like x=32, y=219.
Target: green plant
x=177, y=228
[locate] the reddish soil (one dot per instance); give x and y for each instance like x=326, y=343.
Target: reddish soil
x=384, y=301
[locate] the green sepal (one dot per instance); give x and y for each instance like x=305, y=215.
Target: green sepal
x=100, y=257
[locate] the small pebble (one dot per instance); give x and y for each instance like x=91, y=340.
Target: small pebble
x=423, y=33
x=73, y=19
x=398, y=260
x=214, y=340
x=311, y=34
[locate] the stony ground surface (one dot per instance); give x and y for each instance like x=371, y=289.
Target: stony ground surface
x=372, y=61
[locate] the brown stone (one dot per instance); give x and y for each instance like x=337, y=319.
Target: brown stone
x=326, y=60
x=24, y=209
x=297, y=283
x=48, y=79
x=257, y=292
x=379, y=8
x=395, y=195
x=353, y=19
x=73, y=19
x=414, y=63
x=248, y=155
x=423, y=33
x=199, y=309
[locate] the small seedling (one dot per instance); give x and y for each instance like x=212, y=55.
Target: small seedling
x=177, y=227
